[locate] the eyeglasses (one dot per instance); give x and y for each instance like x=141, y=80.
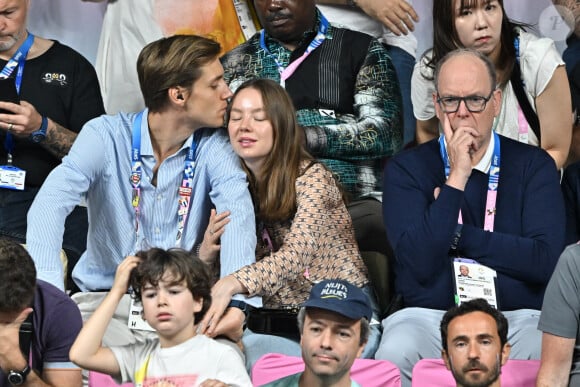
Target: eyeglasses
x=474, y=103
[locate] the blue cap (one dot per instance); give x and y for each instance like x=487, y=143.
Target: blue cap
x=340, y=297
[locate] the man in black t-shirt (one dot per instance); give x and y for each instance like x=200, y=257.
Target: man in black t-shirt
x=58, y=92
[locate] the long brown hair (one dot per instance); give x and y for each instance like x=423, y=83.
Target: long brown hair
x=274, y=193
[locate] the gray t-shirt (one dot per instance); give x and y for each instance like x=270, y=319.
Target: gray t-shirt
x=561, y=309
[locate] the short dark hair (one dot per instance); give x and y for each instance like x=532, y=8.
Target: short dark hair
x=171, y=62
x=476, y=305
x=365, y=327
x=17, y=277
x=183, y=265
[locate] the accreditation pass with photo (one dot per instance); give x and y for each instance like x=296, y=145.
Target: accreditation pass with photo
x=474, y=280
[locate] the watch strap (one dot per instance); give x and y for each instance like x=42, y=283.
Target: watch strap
x=21, y=375
x=456, y=237
x=40, y=134
x=240, y=305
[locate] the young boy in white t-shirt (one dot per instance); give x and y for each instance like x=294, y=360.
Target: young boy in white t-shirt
x=174, y=288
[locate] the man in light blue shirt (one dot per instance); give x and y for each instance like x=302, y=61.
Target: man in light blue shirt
x=150, y=178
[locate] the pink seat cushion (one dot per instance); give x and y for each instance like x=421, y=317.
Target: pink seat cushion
x=515, y=373
x=97, y=379
x=366, y=372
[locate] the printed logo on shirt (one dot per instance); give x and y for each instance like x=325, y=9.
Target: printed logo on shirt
x=171, y=381
x=57, y=79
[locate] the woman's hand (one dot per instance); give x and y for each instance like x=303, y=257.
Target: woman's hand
x=210, y=247
x=221, y=295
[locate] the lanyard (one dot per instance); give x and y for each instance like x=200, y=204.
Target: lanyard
x=185, y=189
x=522, y=121
x=245, y=18
x=17, y=61
x=286, y=72
x=492, y=184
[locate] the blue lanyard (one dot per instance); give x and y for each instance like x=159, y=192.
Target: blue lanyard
x=185, y=188
x=286, y=72
x=492, y=185
x=17, y=61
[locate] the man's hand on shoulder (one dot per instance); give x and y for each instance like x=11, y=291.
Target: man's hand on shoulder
x=397, y=15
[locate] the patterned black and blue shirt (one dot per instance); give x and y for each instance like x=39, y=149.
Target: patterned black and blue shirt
x=347, y=98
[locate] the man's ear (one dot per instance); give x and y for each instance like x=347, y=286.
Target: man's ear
x=435, y=96
x=505, y=353
x=361, y=349
x=445, y=358
x=177, y=94
x=197, y=304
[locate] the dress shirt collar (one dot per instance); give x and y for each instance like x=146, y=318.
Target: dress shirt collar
x=147, y=145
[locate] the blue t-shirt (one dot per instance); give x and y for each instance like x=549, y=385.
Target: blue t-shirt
x=56, y=322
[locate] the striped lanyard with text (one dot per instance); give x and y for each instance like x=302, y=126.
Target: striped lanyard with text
x=492, y=184
x=286, y=72
x=185, y=189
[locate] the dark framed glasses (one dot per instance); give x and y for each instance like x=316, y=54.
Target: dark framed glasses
x=473, y=103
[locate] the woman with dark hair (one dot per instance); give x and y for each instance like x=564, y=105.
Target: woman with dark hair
x=304, y=230
x=536, y=105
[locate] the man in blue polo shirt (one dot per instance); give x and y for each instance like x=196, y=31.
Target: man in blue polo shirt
x=38, y=325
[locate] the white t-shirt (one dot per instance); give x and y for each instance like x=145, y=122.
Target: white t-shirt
x=187, y=364
x=357, y=20
x=538, y=61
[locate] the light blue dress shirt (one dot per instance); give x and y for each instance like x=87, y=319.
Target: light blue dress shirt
x=98, y=167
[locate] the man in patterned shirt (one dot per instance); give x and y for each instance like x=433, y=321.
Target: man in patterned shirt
x=346, y=95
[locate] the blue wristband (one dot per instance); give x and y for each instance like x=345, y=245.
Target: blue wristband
x=40, y=134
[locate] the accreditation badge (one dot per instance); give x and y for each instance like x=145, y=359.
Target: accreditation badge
x=12, y=177
x=136, y=320
x=474, y=280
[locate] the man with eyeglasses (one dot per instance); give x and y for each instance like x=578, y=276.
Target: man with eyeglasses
x=471, y=196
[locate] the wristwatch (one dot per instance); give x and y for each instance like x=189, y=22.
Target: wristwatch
x=456, y=237
x=40, y=134
x=17, y=378
x=351, y=3
x=241, y=305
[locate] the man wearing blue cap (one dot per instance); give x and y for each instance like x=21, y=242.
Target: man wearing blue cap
x=334, y=328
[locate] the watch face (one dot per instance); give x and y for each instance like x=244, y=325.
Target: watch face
x=15, y=378
x=38, y=137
